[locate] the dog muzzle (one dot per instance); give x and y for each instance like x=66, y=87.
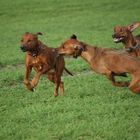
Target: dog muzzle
x=23, y=48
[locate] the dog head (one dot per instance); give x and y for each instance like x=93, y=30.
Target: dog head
x=29, y=42
x=122, y=33
x=72, y=47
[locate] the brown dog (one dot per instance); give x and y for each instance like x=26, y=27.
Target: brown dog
x=124, y=34
x=105, y=61
x=44, y=60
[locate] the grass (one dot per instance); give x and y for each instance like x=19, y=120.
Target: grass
x=92, y=109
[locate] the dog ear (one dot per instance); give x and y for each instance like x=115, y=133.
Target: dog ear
x=73, y=36
x=39, y=33
x=26, y=33
x=83, y=46
x=133, y=26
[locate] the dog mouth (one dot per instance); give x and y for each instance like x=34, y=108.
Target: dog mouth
x=75, y=56
x=118, y=39
x=25, y=49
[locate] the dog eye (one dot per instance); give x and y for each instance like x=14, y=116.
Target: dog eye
x=29, y=40
x=21, y=40
x=122, y=30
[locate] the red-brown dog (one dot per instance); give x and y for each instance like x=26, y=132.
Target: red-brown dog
x=124, y=34
x=44, y=60
x=105, y=61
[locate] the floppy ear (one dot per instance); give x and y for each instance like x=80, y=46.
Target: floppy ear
x=39, y=33
x=133, y=26
x=73, y=36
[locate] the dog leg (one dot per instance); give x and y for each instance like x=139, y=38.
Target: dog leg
x=111, y=77
x=120, y=84
x=57, y=84
x=135, y=88
x=62, y=88
x=52, y=78
x=26, y=81
x=121, y=74
x=135, y=85
x=35, y=79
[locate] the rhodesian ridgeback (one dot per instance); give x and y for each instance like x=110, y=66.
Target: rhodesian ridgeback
x=105, y=61
x=44, y=60
x=124, y=34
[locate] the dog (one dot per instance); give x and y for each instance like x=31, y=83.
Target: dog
x=105, y=61
x=124, y=35
x=44, y=60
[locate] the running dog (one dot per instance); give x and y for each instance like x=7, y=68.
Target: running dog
x=105, y=61
x=44, y=60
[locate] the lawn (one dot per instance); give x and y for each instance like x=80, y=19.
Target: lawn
x=91, y=109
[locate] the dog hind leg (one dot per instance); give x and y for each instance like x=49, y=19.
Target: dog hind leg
x=58, y=83
x=111, y=77
x=135, y=85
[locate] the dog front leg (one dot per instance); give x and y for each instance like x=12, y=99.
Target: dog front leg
x=35, y=79
x=26, y=81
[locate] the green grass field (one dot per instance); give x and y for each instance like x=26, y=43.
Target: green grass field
x=92, y=109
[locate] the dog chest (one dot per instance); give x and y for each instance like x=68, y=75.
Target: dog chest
x=41, y=65
x=37, y=64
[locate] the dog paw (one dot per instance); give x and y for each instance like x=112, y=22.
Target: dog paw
x=30, y=87
x=55, y=94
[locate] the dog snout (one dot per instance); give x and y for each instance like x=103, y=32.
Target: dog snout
x=23, y=48
x=114, y=35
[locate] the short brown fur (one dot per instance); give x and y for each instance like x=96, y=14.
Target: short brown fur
x=124, y=35
x=105, y=61
x=44, y=60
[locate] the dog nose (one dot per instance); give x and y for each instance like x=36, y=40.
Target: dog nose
x=23, y=48
x=113, y=36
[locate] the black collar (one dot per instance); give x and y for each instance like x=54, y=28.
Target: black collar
x=36, y=52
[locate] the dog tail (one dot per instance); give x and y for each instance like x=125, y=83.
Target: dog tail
x=68, y=71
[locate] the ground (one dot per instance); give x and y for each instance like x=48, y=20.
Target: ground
x=91, y=109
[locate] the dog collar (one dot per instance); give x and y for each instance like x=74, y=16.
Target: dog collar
x=136, y=46
x=35, y=53
x=133, y=47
